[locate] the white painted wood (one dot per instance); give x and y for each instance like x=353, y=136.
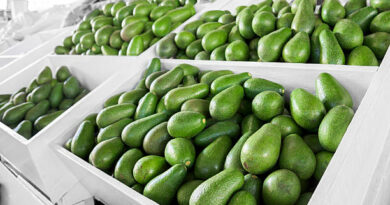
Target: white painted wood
x=15, y=190
x=33, y=54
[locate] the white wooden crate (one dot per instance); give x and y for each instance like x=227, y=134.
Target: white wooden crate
x=4, y=60
x=111, y=191
x=359, y=171
x=15, y=190
x=34, y=54
x=32, y=157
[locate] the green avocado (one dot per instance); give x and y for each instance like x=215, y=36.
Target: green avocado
x=333, y=127
x=261, y=150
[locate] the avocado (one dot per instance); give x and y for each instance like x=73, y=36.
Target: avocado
x=253, y=185
x=295, y=4
x=192, y=26
x=285, y=21
x=297, y=156
x=270, y=46
x=133, y=134
x=19, y=98
x=33, y=84
x=45, y=120
x=65, y=104
x=297, y=50
x=159, y=11
x=285, y=10
x=380, y=4
x=304, y=19
x=250, y=124
x=218, y=189
x=315, y=51
x=304, y=198
x=212, y=15
x=169, y=181
x=40, y=93
x=348, y=34
x=156, y=139
x=306, y=109
x=45, y=76
x=225, y=81
x=16, y=113
x=330, y=50
x=237, y=51
x=331, y=92
x=261, y=150
x=323, y=158
x=242, y=198
x=146, y=106
x=381, y=22
x=124, y=167
x=87, y=41
x=254, y=86
x=84, y=140
x=189, y=80
x=211, y=133
x=113, y=130
x=209, y=77
x=148, y=167
x=38, y=110
x=113, y=100
x=56, y=95
x=214, y=39
x=131, y=30
x=226, y=19
x=167, y=81
x=281, y=187
x=105, y=154
x=263, y=23
x=107, y=9
x=333, y=127
x=181, y=14
x=332, y=11
x=235, y=35
x=287, y=125
x=115, y=8
x=362, y=56
x=96, y=24
x=378, y=43
x=184, y=38
x=71, y=87
x=197, y=105
x=354, y=5
x=267, y=105
x=91, y=118
x=233, y=160
x=225, y=104
x=184, y=192
x=132, y=97
x=177, y=96
x=136, y=46
x=205, y=28
x=210, y=160
x=180, y=151
x=114, y=113
x=363, y=17
x=24, y=128
x=313, y=142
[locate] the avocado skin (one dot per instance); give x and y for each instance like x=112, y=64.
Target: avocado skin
x=218, y=189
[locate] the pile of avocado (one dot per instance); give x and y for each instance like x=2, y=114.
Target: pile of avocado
x=32, y=108
x=275, y=31
x=126, y=29
x=216, y=137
